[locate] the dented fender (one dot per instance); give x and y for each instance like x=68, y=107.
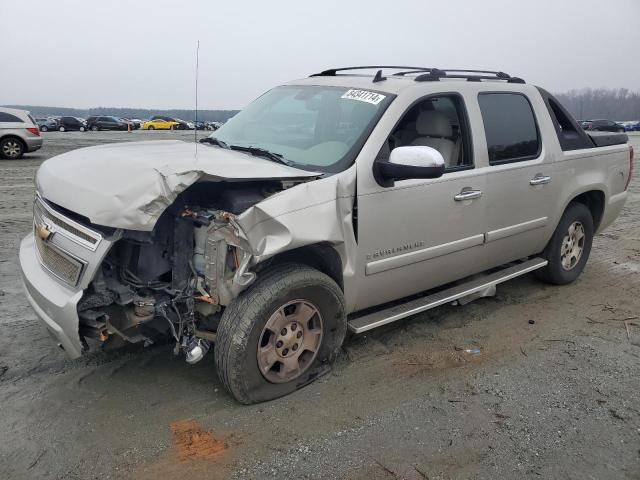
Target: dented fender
x=306, y=214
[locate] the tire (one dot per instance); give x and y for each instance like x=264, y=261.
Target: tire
x=61, y=129
x=44, y=128
x=564, y=267
x=82, y=129
x=243, y=331
x=95, y=128
x=151, y=127
x=11, y=148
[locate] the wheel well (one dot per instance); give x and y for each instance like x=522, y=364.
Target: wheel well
x=15, y=137
x=321, y=256
x=594, y=201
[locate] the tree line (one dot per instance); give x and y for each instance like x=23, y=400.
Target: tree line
x=590, y=103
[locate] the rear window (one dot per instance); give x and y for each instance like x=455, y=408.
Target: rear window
x=8, y=118
x=510, y=127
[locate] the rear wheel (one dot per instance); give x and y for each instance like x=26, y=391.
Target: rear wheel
x=281, y=334
x=11, y=148
x=151, y=127
x=95, y=128
x=61, y=128
x=569, y=247
x=44, y=128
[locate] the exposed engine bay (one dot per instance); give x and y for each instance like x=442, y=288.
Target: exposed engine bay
x=178, y=278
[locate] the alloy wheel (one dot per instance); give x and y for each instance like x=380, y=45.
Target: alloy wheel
x=290, y=341
x=572, y=246
x=11, y=149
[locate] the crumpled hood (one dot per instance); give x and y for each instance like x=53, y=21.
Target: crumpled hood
x=129, y=185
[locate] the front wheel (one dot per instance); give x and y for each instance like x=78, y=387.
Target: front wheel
x=151, y=127
x=281, y=334
x=82, y=129
x=94, y=128
x=44, y=128
x=61, y=129
x=569, y=247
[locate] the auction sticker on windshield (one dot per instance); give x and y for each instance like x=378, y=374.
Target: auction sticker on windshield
x=364, y=96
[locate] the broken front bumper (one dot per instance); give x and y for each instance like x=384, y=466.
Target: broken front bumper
x=54, y=303
x=57, y=266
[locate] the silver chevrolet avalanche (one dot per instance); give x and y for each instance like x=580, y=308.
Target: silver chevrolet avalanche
x=399, y=188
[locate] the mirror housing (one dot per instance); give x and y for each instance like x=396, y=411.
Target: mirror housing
x=411, y=162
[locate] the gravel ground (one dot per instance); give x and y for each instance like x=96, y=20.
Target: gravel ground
x=553, y=392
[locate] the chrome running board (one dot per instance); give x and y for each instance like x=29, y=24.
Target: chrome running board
x=412, y=307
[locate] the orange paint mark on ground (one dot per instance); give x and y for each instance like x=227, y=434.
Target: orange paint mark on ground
x=192, y=441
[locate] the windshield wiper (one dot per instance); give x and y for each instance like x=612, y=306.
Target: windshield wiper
x=214, y=141
x=261, y=152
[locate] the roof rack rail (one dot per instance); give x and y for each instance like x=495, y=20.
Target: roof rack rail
x=470, y=75
x=428, y=74
x=333, y=71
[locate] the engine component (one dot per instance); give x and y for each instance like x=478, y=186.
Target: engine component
x=144, y=307
x=195, y=349
x=227, y=259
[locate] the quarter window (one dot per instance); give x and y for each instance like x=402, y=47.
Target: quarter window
x=8, y=118
x=510, y=127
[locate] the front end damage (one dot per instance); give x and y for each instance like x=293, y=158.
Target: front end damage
x=174, y=280
x=171, y=263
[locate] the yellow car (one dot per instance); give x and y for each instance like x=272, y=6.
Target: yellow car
x=159, y=124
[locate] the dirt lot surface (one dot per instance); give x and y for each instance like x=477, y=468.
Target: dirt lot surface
x=553, y=392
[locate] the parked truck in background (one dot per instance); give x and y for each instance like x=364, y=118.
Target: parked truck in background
x=338, y=202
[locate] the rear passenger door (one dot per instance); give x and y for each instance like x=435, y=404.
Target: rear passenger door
x=520, y=192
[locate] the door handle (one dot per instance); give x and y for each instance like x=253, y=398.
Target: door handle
x=465, y=195
x=540, y=180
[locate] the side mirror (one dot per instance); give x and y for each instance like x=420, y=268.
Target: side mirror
x=410, y=162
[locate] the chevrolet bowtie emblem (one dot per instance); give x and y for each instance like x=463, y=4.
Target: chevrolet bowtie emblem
x=43, y=232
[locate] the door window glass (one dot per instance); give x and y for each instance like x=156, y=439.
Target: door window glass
x=439, y=122
x=510, y=127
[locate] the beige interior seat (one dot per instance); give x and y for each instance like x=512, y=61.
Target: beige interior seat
x=434, y=130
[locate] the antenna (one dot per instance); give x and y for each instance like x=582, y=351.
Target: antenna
x=195, y=130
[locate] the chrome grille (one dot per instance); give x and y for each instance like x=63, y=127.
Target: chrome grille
x=60, y=264
x=40, y=212
x=65, y=226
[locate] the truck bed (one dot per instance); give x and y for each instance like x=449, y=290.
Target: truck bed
x=604, y=139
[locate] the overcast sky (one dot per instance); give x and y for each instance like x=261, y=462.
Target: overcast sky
x=141, y=53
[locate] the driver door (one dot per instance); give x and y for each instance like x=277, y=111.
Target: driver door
x=419, y=234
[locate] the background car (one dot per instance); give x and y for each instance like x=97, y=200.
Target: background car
x=182, y=125
x=135, y=122
x=46, y=124
x=160, y=124
x=19, y=133
x=602, y=125
x=631, y=126
x=68, y=124
x=106, y=123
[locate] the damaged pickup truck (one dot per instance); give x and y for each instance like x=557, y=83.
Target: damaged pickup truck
x=323, y=199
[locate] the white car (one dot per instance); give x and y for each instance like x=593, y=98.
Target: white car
x=19, y=133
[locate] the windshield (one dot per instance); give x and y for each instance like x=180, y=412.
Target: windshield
x=312, y=127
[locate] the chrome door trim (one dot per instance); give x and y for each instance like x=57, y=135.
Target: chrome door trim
x=416, y=256
x=516, y=229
